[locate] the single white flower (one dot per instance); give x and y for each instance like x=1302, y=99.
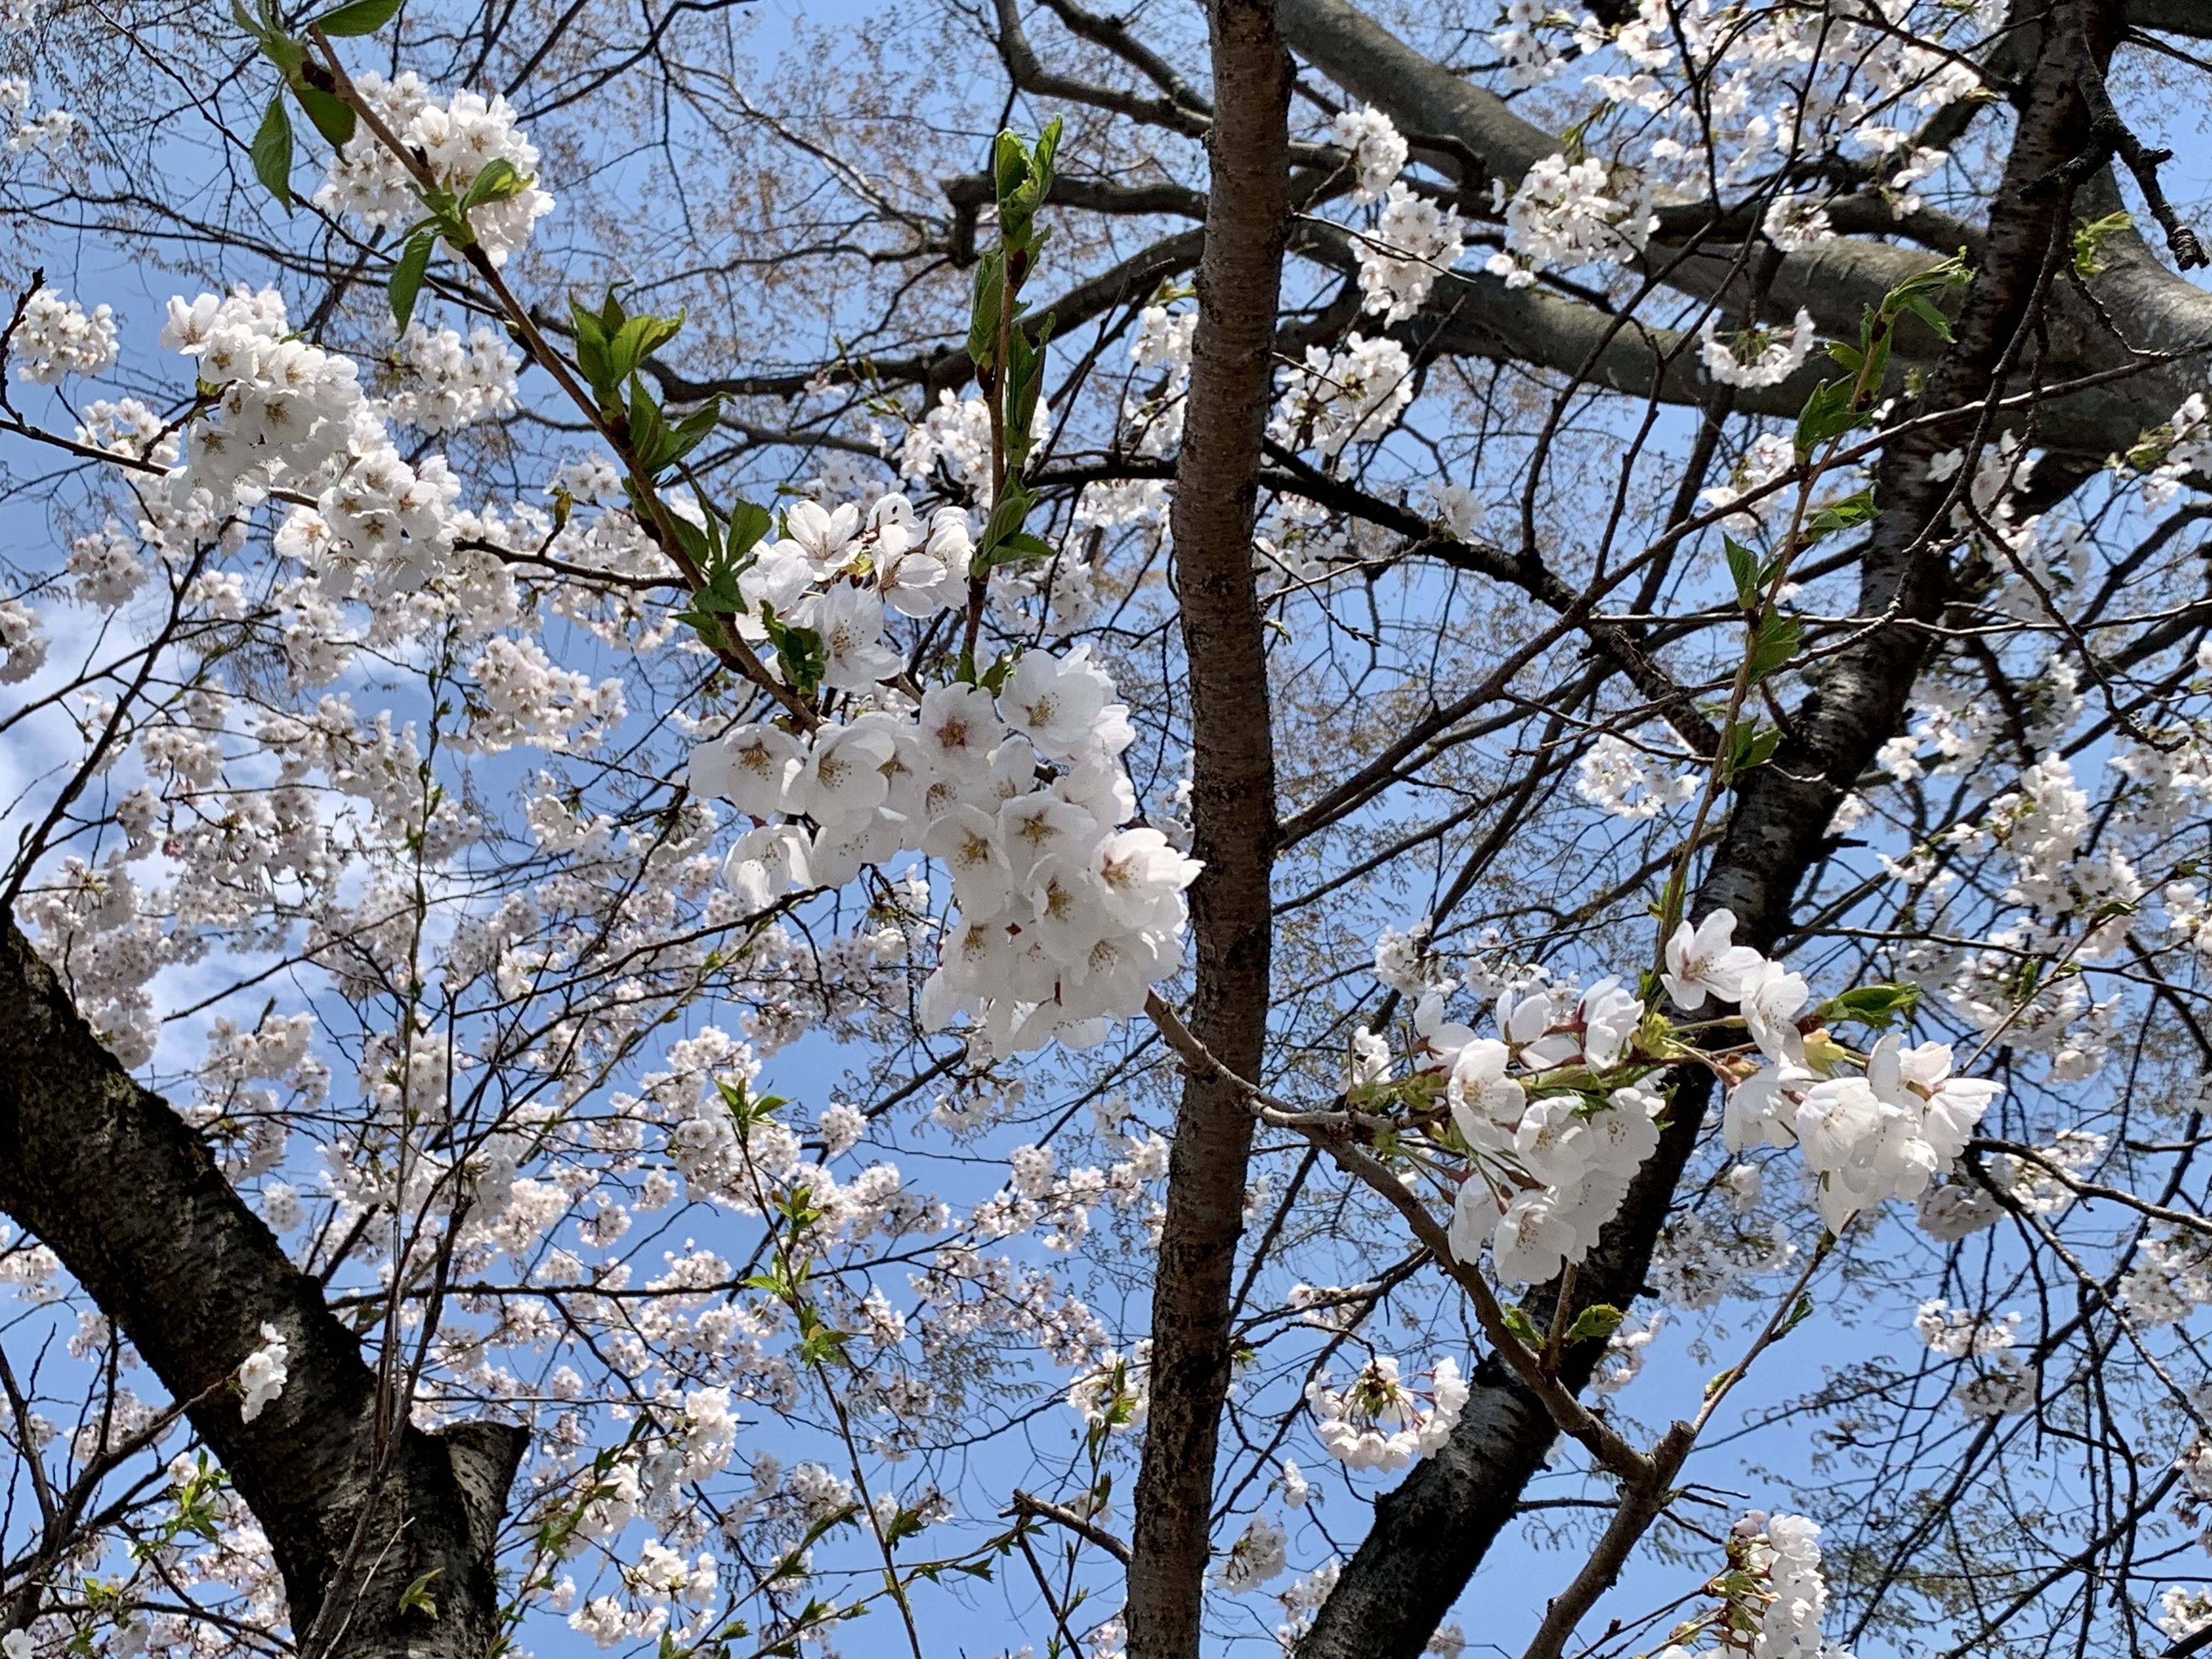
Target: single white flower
x=843, y=773
x=823, y=537
x=1701, y=961
x=959, y=729
x=750, y=766
x=264, y=1374
x=1770, y=997
x=1056, y=701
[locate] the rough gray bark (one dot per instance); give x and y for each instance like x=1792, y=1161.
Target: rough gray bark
x=2191, y=17
x=128, y=1196
x=1431, y=1534
x=1477, y=316
x=1233, y=809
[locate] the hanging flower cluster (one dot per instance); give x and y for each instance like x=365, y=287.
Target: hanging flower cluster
x=457, y=138
x=1551, y=1117
x=1064, y=919
x=1773, y=1595
x=1379, y=1421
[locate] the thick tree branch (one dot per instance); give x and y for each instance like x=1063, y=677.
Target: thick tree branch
x=1834, y=282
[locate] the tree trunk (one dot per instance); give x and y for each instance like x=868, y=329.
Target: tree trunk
x=1232, y=808
x=129, y=1199
x=1431, y=1534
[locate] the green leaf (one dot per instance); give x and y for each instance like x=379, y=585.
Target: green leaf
x=1798, y=1315
x=279, y=48
x=1917, y=293
x=1828, y=413
x=638, y=338
x=748, y=524
x=904, y=1524
x=1523, y=1328
x=702, y=543
x=689, y=433
x=1877, y=1006
x=984, y=309
x=1009, y=167
x=655, y=444
x=1004, y=524
x=1022, y=178
x=592, y=352
x=1926, y=310
x=1851, y=511
x=800, y=650
x=1021, y=545
x=332, y=116
x=1025, y=381
x=1748, y=748
x=835, y=1518
x=1595, y=1322
x=2089, y=241
x=1047, y=146
x=1778, y=641
x=407, y=274
x=359, y=17
x=648, y=432
x=1874, y=367
x=1743, y=570
x=499, y=180
x=272, y=151
x=417, y=1597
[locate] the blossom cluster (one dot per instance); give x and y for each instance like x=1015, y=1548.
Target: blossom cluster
x=1760, y=357
x=1150, y=423
x=1064, y=919
x=46, y=134
x=1869, y=1138
x=1335, y=398
x=1629, y=781
x=287, y=414
x=1567, y=214
x=55, y=338
x=452, y=383
x=1774, y=89
x=2006, y=1383
x=1554, y=1122
x=1379, y=152
x=1378, y=1421
x=1256, y=1557
x=263, y=1375
x=457, y=138
x=1777, y=1595
x=1413, y=241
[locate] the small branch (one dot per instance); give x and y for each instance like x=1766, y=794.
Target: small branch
x=1113, y=34
x=1030, y=74
x=1639, y=1507
x=1026, y=1503
x=15, y=322
x=1569, y=1413
x=2111, y=137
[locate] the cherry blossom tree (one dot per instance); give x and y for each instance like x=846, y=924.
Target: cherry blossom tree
x=993, y=829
